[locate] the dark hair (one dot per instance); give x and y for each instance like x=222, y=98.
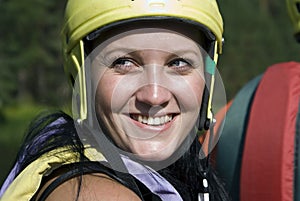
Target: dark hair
x=185, y=175
x=43, y=135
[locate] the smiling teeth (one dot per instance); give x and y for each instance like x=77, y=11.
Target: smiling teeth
x=153, y=121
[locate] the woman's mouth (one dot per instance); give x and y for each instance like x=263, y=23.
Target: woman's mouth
x=152, y=121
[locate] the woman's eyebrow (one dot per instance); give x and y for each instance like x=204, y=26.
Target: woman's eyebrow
x=187, y=51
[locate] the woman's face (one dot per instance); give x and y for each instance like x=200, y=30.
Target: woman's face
x=148, y=90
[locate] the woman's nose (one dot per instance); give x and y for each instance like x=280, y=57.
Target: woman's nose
x=153, y=94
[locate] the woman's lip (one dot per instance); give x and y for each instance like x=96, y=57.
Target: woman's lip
x=160, y=127
x=152, y=120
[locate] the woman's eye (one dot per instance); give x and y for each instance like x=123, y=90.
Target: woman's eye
x=180, y=65
x=124, y=65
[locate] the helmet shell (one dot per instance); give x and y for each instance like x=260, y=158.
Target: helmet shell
x=84, y=16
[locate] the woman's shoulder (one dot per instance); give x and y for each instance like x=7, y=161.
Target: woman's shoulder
x=96, y=186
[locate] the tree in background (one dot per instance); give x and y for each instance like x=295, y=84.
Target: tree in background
x=258, y=33
x=30, y=59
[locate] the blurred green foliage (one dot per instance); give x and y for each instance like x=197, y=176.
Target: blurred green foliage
x=30, y=59
x=17, y=118
x=258, y=33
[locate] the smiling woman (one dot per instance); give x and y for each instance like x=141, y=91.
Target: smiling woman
x=137, y=95
x=143, y=75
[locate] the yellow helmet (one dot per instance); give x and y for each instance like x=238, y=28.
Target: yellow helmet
x=293, y=7
x=85, y=17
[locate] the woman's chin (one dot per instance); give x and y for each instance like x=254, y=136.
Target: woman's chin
x=151, y=151
x=153, y=157
x=159, y=158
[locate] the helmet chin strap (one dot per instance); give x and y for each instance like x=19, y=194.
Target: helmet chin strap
x=204, y=195
x=207, y=120
x=206, y=115
x=77, y=56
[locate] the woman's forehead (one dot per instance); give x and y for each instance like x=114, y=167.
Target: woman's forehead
x=184, y=29
x=150, y=38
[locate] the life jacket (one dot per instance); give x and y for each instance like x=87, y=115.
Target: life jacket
x=26, y=184
x=257, y=154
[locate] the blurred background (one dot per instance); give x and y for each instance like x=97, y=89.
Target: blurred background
x=258, y=33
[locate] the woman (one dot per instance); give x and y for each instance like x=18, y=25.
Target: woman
x=143, y=77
